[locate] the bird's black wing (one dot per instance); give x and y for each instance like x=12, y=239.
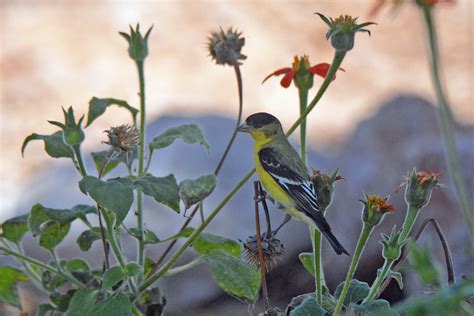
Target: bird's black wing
x=300, y=188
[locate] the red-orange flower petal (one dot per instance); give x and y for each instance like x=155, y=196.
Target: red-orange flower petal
x=322, y=70
x=287, y=79
x=277, y=73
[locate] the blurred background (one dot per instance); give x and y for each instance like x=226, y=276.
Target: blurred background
x=375, y=123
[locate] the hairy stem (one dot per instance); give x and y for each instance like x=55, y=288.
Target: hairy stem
x=303, y=96
x=141, y=152
x=317, y=263
x=338, y=58
x=445, y=122
x=263, y=273
x=80, y=161
x=378, y=280
x=364, y=236
x=410, y=218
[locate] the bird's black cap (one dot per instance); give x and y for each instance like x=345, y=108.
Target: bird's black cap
x=260, y=119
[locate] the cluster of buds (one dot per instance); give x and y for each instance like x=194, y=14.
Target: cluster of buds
x=72, y=131
x=375, y=207
x=324, y=187
x=392, y=246
x=272, y=248
x=342, y=31
x=225, y=47
x=123, y=138
x=138, y=45
x=419, y=186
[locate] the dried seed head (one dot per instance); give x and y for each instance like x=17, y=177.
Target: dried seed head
x=272, y=248
x=123, y=138
x=225, y=47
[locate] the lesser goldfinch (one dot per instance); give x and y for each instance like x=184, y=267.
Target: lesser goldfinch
x=284, y=175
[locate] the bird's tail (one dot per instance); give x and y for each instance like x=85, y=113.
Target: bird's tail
x=336, y=245
x=323, y=226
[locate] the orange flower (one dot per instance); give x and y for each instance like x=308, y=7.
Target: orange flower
x=424, y=177
x=375, y=207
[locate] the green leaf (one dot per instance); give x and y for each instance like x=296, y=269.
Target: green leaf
x=15, y=228
x=305, y=305
x=194, y=191
x=115, y=195
x=8, y=292
x=164, y=190
x=151, y=238
x=234, y=275
x=101, y=157
x=189, y=133
x=112, y=276
x=394, y=275
x=133, y=269
x=87, y=238
x=148, y=267
x=54, y=145
x=40, y=214
x=98, y=106
x=306, y=259
x=206, y=243
x=356, y=292
x=423, y=263
x=45, y=309
x=185, y=233
x=77, y=265
x=85, y=302
x=377, y=307
x=62, y=301
x=53, y=234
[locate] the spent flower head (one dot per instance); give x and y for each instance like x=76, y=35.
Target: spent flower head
x=419, y=186
x=72, y=131
x=272, y=248
x=225, y=47
x=342, y=31
x=324, y=187
x=123, y=138
x=301, y=72
x=138, y=45
x=375, y=207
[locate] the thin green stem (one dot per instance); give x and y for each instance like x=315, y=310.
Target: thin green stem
x=56, y=260
x=141, y=153
x=303, y=96
x=80, y=161
x=185, y=267
x=364, y=236
x=410, y=218
x=33, y=275
x=445, y=121
x=378, y=280
x=338, y=57
x=317, y=263
x=40, y=264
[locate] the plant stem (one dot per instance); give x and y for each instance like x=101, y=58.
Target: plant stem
x=77, y=151
x=364, y=235
x=445, y=121
x=40, y=264
x=261, y=260
x=318, y=268
x=410, y=218
x=303, y=96
x=338, y=57
x=141, y=151
x=185, y=267
x=378, y=280
x=219, y=164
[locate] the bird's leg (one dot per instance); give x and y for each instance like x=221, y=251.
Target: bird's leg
x=285, y=220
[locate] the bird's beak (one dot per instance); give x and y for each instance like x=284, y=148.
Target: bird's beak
x=244, y=128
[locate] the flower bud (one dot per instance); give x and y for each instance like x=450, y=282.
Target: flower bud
x=324, y=187
x=375, y=207
x=392, y=247
x=138, y=45
x=303, y=77
x=342, y=31
x=225, y=47
x=72, y=131
x=419, y=187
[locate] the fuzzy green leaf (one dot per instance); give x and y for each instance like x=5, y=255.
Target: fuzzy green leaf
x=98, y=106
x=100, y=158
x=115, y=195
x=194, y=191
x=133, y=269
x=54, y=145
x=189, y=133
x=306, y=259
x=77, y=265
x=234, y=275
x=377, y=307
x=397, y=276
x=357, y=291
x=85, y=302
x=206, y=243
x=87, y=238
x=422, y=262
x=164, y=190
x=53, y=234
x=112, y=276
x=308, y=307
x=15, y=228
x=9, y=278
